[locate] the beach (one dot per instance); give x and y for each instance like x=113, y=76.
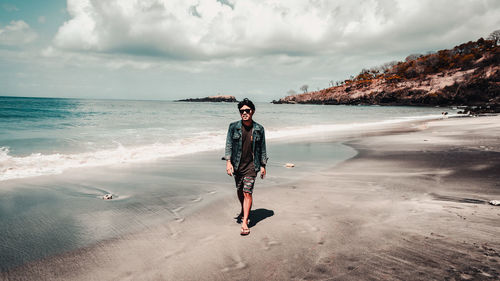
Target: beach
x=412, y=204
x=132, y=132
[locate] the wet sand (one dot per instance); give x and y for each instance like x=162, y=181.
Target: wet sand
x=412, y=205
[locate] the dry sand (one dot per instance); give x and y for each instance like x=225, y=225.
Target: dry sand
x=412, y=205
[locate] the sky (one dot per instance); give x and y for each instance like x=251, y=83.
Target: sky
x=261, y=49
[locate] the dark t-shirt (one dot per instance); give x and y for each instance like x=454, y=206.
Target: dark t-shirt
x=246, y=167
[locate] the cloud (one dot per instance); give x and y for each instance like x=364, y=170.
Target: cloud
x=17, y=33
x=42, y=19
x=10, y=7
x=208, y=29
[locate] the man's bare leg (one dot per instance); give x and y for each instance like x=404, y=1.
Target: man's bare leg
x=241, y=198
x=247, y=205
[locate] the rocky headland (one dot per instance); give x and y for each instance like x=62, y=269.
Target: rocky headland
x=468, y=74
x=221, y=98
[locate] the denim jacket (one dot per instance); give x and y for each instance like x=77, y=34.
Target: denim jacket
x=234, y=145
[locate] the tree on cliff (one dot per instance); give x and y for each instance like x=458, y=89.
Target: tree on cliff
x=413, y=57
x=495, y=36
x=387, y=66
x=304, y=88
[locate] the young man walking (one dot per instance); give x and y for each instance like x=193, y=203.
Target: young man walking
x=245, y=156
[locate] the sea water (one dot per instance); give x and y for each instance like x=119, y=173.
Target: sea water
x=43, y=136
x=159, y=159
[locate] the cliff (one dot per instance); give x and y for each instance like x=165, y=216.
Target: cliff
x=468, y=74
x=225, y=98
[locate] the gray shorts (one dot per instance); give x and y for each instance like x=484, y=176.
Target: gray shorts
x=244, y=182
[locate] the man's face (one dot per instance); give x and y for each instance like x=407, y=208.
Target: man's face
x=246, y=113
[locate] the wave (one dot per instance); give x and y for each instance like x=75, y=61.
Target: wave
x=38, y=164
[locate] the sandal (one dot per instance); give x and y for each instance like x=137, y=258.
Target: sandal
x=244, y=231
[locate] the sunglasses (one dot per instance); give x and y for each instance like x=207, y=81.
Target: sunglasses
x=248, y=110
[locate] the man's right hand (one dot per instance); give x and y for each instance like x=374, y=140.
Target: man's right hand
x=229, y=168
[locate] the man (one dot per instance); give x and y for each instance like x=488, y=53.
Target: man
x=245, y=156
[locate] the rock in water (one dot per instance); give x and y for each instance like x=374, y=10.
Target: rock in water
x=220, y=98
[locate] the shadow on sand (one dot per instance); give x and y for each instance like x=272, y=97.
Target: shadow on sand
x=257, y=215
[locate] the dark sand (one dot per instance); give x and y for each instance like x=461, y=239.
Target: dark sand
x=412, y=205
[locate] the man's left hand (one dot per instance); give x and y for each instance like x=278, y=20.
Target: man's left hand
x=262, y=172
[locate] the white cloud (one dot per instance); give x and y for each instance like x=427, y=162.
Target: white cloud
x=17, y=33
x=207, y=29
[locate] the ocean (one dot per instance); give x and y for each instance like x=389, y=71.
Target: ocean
x=159, y=159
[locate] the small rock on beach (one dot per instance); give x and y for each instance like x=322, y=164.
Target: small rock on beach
x=495, y=202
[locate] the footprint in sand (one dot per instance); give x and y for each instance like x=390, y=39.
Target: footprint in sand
x=316, y=216
x=321, y=240
x=208, y=238
x=175, y=234
x=196, y=199
x=326, y=260
x=170, y=254
x=176, y=210
x=236, y=266
x=269, y=243
x=308, y=228
x=314, y=229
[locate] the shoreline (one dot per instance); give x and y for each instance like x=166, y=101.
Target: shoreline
x=402, y=208
x=57, y=164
